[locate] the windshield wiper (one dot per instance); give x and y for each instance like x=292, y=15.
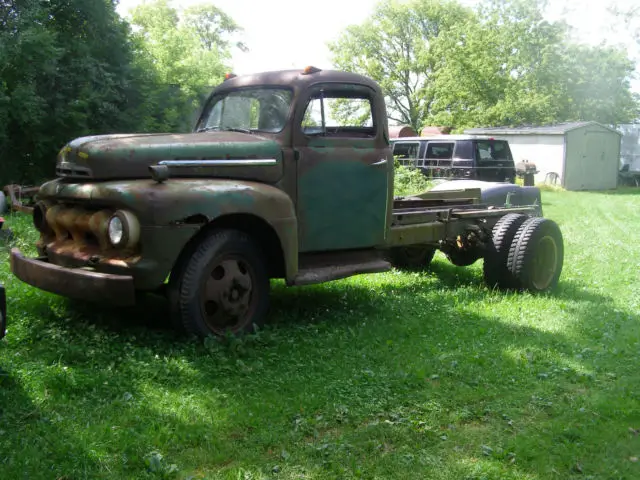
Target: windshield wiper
x=236, y=129
x=225, y=129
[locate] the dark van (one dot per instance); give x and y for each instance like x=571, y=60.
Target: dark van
x=457, y=157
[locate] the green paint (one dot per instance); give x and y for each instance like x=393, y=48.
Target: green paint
x=342, y=204
x=129, y=156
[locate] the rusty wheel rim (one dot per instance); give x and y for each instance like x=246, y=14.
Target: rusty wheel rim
x=227, y=294
x=545, y=263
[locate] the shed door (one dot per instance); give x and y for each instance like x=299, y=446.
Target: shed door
x=594, y=171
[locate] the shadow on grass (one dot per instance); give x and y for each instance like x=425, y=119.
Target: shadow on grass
x=150, y=320
x=33, y=431
x=347, y=354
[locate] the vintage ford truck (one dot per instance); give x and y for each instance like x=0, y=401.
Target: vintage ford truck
x=286, y=175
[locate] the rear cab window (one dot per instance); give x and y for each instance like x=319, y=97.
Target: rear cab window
x=492, y=151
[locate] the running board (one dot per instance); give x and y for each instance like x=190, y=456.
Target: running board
x=320, y=268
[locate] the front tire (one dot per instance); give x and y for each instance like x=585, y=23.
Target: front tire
x=224, y=286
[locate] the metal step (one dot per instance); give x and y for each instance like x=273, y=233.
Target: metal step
x=327, y=267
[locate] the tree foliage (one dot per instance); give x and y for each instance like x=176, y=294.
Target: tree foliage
x=66, y=70
x=396, y=47
x=440, y=63
x=189, y=48
x=74, y=67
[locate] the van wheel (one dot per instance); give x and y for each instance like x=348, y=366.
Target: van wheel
x=495, y=270
x=411, y=257
x=224, y=286
x=536, y=255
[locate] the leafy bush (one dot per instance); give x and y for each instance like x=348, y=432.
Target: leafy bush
x=409, y=181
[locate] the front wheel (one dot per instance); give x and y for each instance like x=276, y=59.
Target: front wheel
x=224, y=286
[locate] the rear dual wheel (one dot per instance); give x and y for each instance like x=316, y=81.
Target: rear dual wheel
x=495, y=269
x=536, y=255
x=526, y=254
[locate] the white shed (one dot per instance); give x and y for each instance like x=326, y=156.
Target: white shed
x=583, y=155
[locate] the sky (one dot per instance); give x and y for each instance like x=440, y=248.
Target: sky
x=284, y=34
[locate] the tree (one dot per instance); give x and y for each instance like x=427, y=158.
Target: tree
x=597, y=85
x=66, y=70
x=501, y=64
x=501, y=68
x=395, y=46
x=188, y=48
x=214, y=28
x=185, y=53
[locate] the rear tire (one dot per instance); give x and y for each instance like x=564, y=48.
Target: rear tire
x=536, y=255
x=223, y=287
x=413, y=257
x=495, y=270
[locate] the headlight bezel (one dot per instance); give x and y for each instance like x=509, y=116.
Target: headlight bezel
x=130, y=230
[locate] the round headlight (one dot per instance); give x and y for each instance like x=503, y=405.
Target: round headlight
x=116, y=231
x=123, y=230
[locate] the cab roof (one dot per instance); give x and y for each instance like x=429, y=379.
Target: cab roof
x=296, y=78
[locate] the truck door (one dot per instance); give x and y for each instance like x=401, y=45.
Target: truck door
x=344, y=165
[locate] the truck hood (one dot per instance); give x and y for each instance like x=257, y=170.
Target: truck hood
x=209, y=154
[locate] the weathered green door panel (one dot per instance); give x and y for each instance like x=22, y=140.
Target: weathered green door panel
x=344, y=167
x=342, y=198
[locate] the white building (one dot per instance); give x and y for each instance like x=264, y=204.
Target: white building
x=630, y=150
x=583, y=155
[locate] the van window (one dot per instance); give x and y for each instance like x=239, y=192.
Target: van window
x=440, y=151
x=464, y=150
x=439, y=154
x=407, y=152
x=491, y=150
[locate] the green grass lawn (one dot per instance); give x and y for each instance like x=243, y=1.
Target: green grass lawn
x=395, y=375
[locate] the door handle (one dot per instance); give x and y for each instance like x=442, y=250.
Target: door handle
x=379, y=163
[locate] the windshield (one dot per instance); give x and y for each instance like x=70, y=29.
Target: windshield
x=252, y=109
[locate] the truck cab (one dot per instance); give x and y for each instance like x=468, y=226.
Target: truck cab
x=286, y=175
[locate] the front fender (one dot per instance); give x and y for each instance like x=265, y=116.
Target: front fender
x=158, y=204
x=187, y=202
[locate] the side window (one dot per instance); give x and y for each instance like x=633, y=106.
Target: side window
x=464, y=150
x=440, y=151
x=439, y=154
x=406, y=152
x=337, y=114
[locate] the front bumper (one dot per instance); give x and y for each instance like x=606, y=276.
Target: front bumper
x=77, y=283
x=3, y=312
